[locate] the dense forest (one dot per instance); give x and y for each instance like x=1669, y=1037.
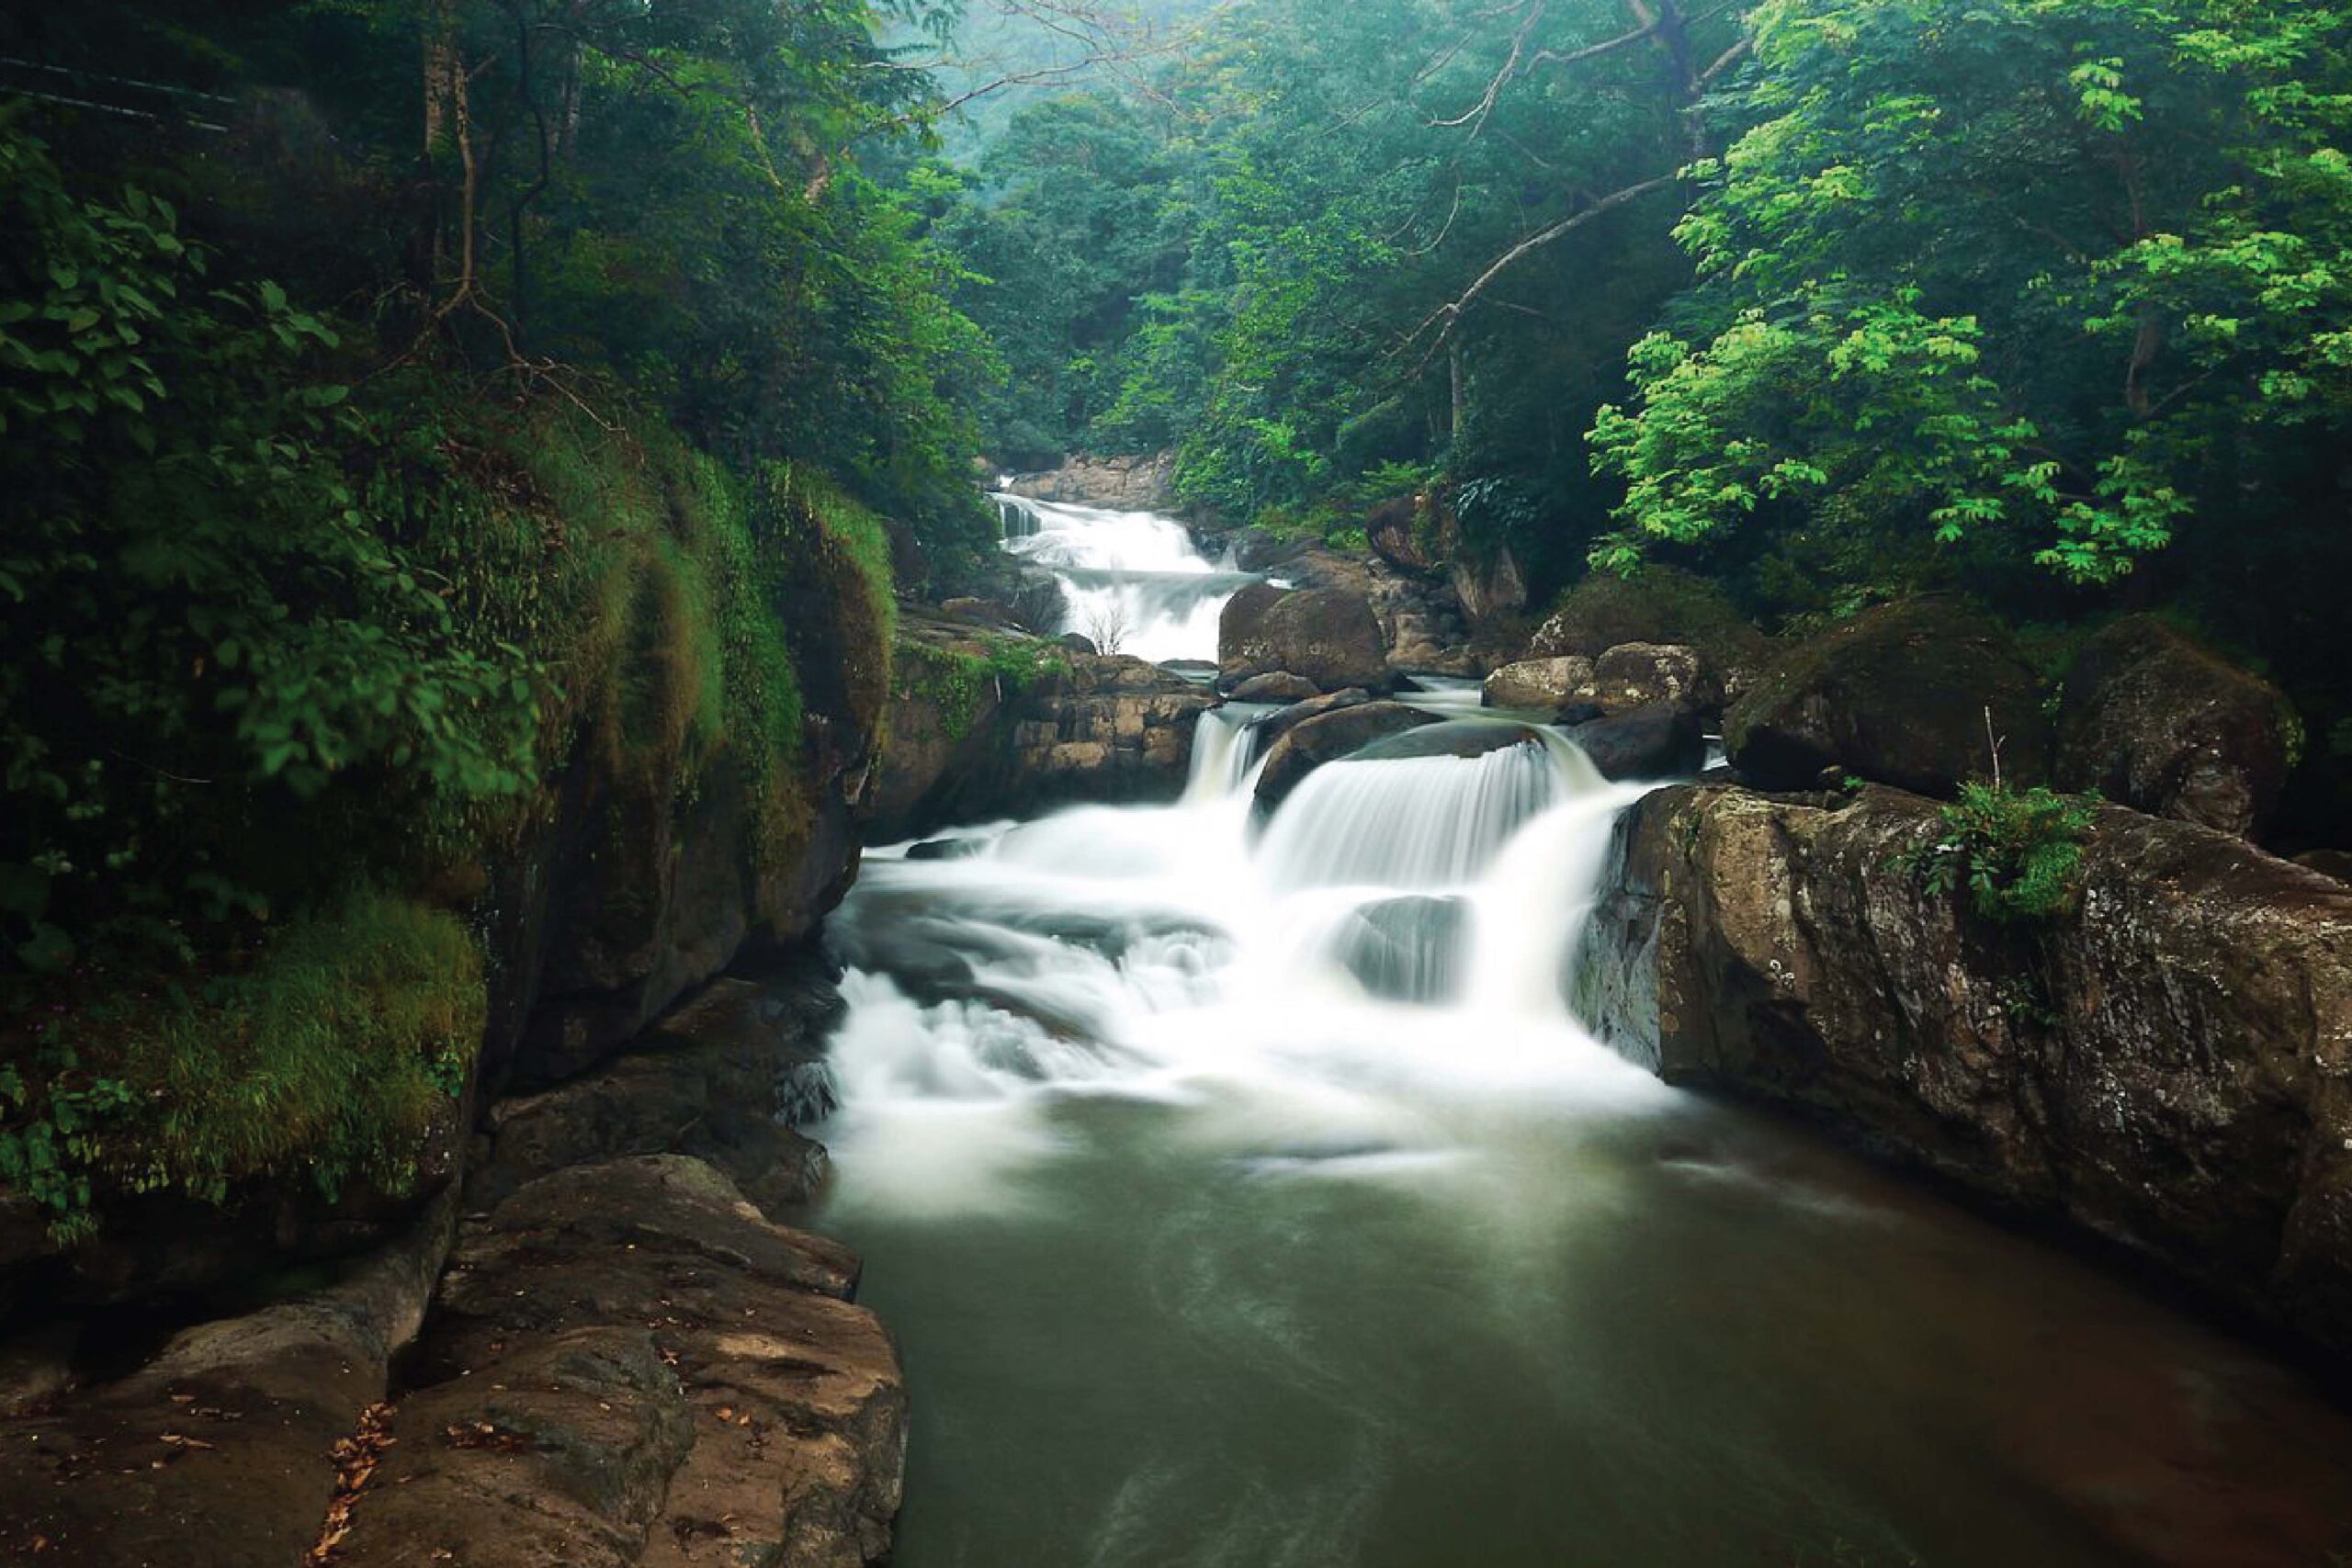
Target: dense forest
x=1827, y=303
x=389, y=385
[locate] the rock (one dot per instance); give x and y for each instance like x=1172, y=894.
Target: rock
x=2337, y=864
x=1421, y=619
x=1280, y=687
x=1408, y=949
x=1539, y=684
x=1661, y=604
x=1402, y=532
x=720, y=1078
x=1327, y=737
x=1490, y=590
x=967, y=748
x=628, y=1364
x=946, y=849
x=1274, y=726
x=1328, y=637
x=1237, y=623
x=986, y=613
x=1071, y=642
x=2154, y=721
x=1466, y=739
x=1640, y=674
x=1125, y=484
x=36, y=1368
x=2164, y=1069
x=1663, y=740
x=216, y=1454
x=1897, y=696
x=1580, y=711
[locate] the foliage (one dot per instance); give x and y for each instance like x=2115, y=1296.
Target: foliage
x=2045, y=272
x=204, y=618
x=336, y=1051
x=2018, y=852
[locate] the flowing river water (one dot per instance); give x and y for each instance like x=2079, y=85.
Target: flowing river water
x=1245, y=1194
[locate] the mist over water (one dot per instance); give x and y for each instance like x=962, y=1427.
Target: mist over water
x=1244, y=1193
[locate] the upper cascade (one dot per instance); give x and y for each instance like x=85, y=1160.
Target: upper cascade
x=1133, y=582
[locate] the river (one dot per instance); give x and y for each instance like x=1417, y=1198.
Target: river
x=1245, y=1192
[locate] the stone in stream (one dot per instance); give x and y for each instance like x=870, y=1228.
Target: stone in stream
x=2166, y=1067
x=1900, y=694
x=1538, y=684
x=1643, y=674
x=2154, y=721
x=1466, y=739
x=1274, y=726
x=1281, y=686
x=1325, y=738
x=1408, y=949
x=1327, y=637
x=1664, y=740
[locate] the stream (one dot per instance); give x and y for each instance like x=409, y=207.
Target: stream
x=1246, y=1193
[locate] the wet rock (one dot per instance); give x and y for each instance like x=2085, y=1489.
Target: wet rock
x=1278, y=687
x=1408, y=949
x=1641, y=675
x=2154, y=721
x=1327, y=637
x=1663, y=740
x=216, y=1454
x=628, y=1364
x=1466, y=739
x=1274, y=726
x=1539, y=684
x=2164, y=1067
x=1492, y=589
x=1899, y=695
x=946, y=849
x=1326, y=739
x=1580, y=711
x=720, y=1078
x=1072, y=642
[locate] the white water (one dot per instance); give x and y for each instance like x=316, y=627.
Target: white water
x=1400, y=930
x=1133, y=582
x=1250, y=1200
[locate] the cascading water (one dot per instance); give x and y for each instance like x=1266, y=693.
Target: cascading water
x=1245, y=1194
x=1132, y=581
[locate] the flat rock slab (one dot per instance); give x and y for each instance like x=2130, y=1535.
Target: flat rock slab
x=629, y=1364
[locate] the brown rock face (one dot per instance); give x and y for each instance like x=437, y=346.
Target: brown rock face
x=628, y=1365
x=2170, y=1068
x=1899, y=695
x=2156, y=722
x=1100, y=728
x=1325, y=738
x=1128, y=484
x=1327, y=636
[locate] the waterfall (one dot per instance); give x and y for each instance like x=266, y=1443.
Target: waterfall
x=1133, y=582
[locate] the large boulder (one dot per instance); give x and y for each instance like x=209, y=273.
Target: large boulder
x=1534, y=686
x=628, y=1364
x=1642, y=674
x=1276, y=725
x=1466, y=739
x=1663, y=740
x=1912, y=694
x=1660, y=604
x=1326, y=739
x=2167, y=1066
x=1329, y=637
x=2154, y=721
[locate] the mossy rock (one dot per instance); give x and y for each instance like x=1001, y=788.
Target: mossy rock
x=1912, y=694
x=1661, y=604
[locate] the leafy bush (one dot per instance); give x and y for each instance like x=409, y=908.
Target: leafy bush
x=2018, y=852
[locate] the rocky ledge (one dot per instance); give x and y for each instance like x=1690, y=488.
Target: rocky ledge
x=2170, y=1066
x=603, y=1355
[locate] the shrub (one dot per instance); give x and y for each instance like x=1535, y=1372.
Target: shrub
x=2018, y=852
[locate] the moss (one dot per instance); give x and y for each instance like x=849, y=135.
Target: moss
x=335, y=1050
x=954, y=680
x=1660, y=604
